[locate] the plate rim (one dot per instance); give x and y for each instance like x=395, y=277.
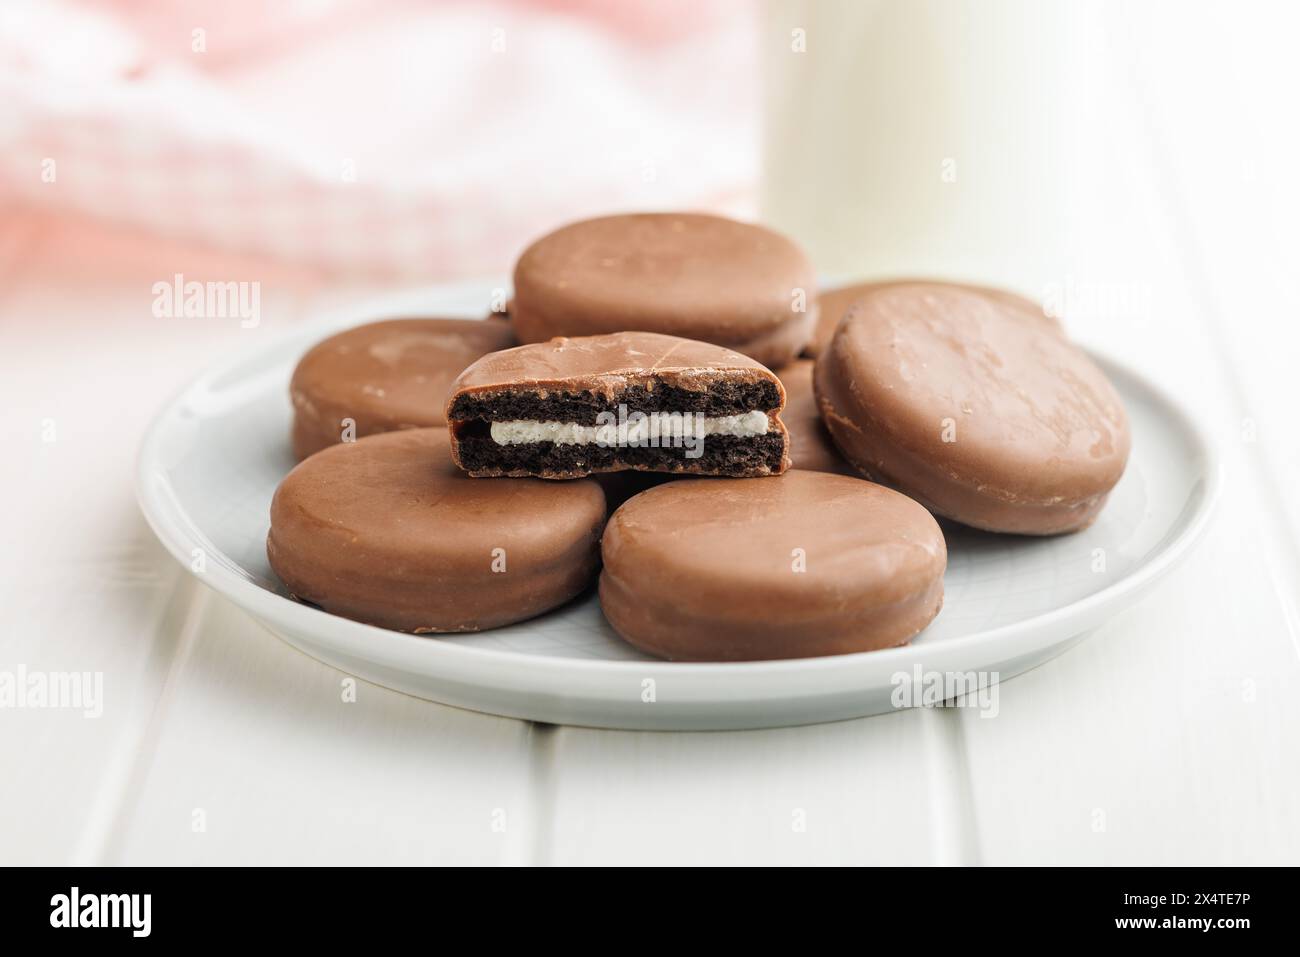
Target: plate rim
x=356, y=638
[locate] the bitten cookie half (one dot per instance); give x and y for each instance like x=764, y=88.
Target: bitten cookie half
x=387, y=531
x=803, y=565
x=631, y=400
x=956, y=400
x=734, y=284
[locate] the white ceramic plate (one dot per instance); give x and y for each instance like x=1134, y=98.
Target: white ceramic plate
x=213, y=457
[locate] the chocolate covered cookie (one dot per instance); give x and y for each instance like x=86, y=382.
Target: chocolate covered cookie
x=394, y=374
x=955, y=399
x=681, y=274
x=387, y=530
x=798, y=566
x=631, y=400
x=811, y=446
x=834, y=303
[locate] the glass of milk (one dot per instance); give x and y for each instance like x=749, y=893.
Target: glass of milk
x=926, y=138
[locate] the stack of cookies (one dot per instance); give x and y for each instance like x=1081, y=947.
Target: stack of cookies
x=750, y=471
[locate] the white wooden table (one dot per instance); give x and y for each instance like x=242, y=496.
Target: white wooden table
x=1171, y=735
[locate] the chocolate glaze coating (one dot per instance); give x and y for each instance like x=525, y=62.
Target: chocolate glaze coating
x=575, y=379
x=387, y=375
x=682, y=274
x=707, y=570
x=811, y=446
x=388, y=531
x=607, y=366
x=834, y=303
x=953, y=398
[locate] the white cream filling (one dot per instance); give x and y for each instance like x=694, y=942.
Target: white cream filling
x=651, y=429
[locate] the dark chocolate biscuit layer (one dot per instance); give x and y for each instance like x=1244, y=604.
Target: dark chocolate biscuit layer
x=721, y=455
x=725, y=398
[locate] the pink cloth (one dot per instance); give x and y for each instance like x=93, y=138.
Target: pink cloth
x=424, y=140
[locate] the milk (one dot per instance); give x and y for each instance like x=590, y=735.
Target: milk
x=923, y=137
